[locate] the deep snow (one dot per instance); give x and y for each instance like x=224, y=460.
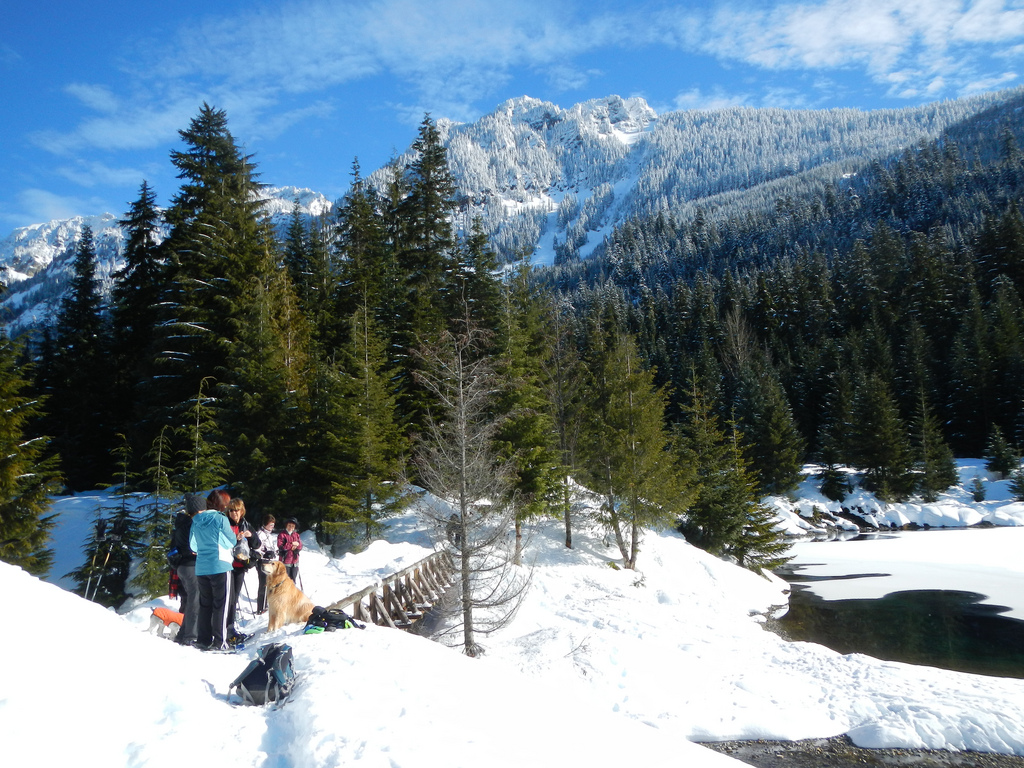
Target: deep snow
x=601, y=667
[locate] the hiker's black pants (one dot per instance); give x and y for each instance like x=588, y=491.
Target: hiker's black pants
x=189, y=603
x=214, y=597
x=237, y=579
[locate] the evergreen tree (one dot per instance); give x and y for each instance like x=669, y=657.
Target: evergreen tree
x=425, y=263
x=154, y=522
x=760, y=546
x=1017, y=484
x=367, y=279
x=313, y=270
x=1006, y=346
x=716, y=517
x=133, y=312
x=978, y=490
x=201, y=461
x=1000, y=457
x=1001, y=247
x=81, y=409
x=318, y=295
x=27, y=479
x=564, y=386
x=296, y=251
x=935, y=464
x=525, y=436
x=836, y=438
x=776, y=447
x=881, y=442
x=478, y=295
x=217, y=248
x=970, y=374
x=370, y=490
x=329, y=445
x=233, y=318
x=624, y=447
x=258, y=412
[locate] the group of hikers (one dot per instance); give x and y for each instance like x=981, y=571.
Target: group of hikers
x=215, y=546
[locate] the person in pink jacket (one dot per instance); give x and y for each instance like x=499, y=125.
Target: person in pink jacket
x=288, y=547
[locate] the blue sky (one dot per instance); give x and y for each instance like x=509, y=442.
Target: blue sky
x=92, y=94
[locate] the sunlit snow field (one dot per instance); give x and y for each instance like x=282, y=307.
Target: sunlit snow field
x=601, y=667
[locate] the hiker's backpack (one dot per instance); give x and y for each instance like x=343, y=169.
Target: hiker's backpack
x=330, y=619
x=268, y=678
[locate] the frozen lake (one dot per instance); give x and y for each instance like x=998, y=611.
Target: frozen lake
x=950, y=598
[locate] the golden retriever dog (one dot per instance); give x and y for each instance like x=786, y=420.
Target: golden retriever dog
x=285, y=601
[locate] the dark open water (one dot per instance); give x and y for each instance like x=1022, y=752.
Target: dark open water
x=936, y=628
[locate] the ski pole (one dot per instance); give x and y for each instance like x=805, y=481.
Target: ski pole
x=101, y=536
x=99, y=578
x=245, y=588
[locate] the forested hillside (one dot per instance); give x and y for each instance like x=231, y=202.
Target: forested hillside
x=555, y=181
x=867, y=321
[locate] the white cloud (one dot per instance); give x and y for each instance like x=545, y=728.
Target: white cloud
x=718, y=99
x=95, y=97
x=137, y=128
x=988, y=21
x=982, y=85
x=564, y=77
x=90, y=173
x=278, y=123
x=939, y=40
x=39, y=205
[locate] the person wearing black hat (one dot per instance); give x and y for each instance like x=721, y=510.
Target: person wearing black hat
x=288, y=546
x=186, y=569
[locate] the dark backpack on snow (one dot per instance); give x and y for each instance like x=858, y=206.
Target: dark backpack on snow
x=268, y=678
x=330, y=619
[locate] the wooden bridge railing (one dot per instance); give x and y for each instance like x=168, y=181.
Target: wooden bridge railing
x=403, y=598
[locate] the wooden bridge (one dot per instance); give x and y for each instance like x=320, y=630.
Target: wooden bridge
x=403, y=598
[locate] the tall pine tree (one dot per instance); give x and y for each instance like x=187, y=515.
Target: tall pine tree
x=133, y=312
x=625, y=446
x=27, y=479
x=81, y=413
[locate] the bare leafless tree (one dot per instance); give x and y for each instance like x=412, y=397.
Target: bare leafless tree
x=458, y=464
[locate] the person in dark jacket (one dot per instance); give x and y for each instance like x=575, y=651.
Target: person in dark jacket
x=288, y=547
x=242, y=530
x=211, y=539
x=186, y=568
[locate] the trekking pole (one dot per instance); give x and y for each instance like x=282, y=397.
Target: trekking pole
x=101, y=537
x=99, y=578
x=245, y=588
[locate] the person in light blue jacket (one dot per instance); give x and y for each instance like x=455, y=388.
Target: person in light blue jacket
x=212, y=539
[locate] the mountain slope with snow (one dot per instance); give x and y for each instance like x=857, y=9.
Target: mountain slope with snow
x=555, y=181
x=36, y=262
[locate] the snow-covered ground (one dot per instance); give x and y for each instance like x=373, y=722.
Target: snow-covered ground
x=601, y=667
